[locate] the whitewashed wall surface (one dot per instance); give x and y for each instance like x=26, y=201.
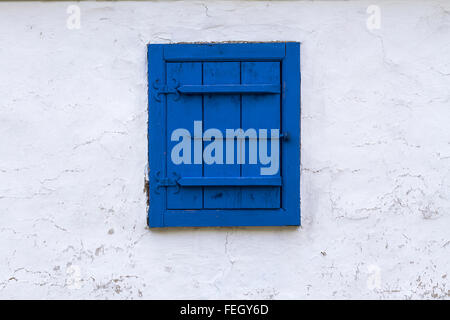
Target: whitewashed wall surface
x=375, y=172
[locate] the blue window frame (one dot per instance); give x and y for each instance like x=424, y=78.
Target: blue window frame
x=196, y=93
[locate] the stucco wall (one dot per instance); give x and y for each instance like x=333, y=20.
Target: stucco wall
x=375, y=182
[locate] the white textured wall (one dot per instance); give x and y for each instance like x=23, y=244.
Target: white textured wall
x=375, y=155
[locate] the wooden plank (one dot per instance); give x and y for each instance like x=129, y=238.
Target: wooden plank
x=260, y=112
x=229, y=218
x=231, y=89
x=181, y=113
x=229, y=181
x=221, y=112
x=291, y=123
x=156, y=145
x=224, y=51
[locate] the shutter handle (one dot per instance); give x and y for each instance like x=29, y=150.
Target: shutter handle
x=284, y=136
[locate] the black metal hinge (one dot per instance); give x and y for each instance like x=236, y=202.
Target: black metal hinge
x=166, y=182
x=165, y=89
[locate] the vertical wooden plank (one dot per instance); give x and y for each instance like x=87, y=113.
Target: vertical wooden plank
x=222, y=112
x=182, y=111
x=260, y=112
x=156, y=145
x=291, y=123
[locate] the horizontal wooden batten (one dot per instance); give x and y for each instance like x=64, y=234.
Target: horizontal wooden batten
x=225, y=52
x=229, y=181
x=230, y=89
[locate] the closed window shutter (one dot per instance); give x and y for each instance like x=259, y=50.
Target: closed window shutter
x=248, y=86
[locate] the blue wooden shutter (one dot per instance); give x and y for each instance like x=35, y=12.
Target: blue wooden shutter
x=223, y=86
